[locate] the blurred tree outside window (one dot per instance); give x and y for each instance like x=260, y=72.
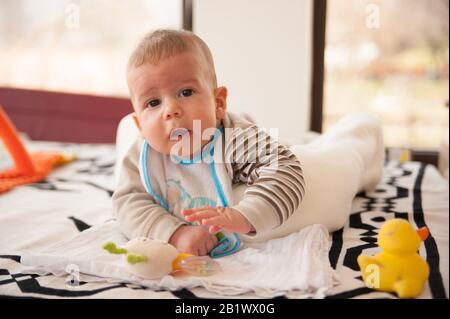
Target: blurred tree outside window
x=391, y=58
x=79, y=46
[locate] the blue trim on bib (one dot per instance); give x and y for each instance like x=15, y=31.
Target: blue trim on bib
x=148, y=186
x=229, y=239
x=219, y=189
x=223, y=246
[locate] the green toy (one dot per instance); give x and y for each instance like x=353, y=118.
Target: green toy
x=152, y=259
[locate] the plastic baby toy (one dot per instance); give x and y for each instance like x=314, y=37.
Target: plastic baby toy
x=398, y=267
x=152, y=259
x=27, y=168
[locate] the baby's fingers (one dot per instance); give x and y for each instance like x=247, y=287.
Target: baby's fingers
x=199, y=216
x=223, y=223
x=191, y=211
x=214, y=229
x=218, y=221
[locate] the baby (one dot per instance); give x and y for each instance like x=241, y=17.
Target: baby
x=178, y=181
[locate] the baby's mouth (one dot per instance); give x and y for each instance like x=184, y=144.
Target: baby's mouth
x=178, y=133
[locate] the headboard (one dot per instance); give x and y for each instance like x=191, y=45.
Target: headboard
x=65, y=117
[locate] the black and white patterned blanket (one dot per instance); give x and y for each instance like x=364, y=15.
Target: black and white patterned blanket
x=70, y=199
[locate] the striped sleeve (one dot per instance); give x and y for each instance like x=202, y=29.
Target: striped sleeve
x=272, y=172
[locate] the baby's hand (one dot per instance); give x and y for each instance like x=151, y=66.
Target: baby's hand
x=219, y=218
x=195, y=240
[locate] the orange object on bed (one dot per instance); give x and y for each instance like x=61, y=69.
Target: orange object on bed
x=28, y=168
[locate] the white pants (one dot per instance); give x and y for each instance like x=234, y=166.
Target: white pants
x=343, y=161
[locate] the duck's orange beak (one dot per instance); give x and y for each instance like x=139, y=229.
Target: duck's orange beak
x=423, y=233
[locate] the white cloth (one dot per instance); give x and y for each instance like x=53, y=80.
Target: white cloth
x=296, y=265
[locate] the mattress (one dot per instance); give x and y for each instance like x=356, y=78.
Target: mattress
x=76, y=196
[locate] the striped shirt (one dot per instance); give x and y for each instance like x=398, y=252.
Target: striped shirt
x=272, y=172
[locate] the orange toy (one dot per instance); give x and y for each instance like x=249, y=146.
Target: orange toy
x=29, y=168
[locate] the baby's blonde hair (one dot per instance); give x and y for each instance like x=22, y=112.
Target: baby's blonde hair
x=163, y=43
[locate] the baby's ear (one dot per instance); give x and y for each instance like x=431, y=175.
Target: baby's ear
x=221, y=101
x=136, y=121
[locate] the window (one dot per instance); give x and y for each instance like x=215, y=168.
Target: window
x=76, y=46
x=389, y=57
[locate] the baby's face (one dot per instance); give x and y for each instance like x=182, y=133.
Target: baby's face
x=172, y=94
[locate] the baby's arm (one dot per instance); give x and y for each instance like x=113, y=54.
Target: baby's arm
x=138, y=215
x=273, y=174
x=275, y=180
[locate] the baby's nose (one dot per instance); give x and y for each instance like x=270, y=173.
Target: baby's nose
x=172, y=110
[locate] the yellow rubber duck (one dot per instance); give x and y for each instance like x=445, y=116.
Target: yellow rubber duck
x=398, y=267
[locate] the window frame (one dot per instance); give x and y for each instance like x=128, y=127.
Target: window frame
x=187, y=15
x=318, y=64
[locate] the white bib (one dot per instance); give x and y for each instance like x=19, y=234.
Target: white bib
x=178, y=184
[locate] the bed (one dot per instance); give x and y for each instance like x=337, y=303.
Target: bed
x=70, y=199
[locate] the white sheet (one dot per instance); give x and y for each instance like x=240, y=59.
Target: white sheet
x=296, y=266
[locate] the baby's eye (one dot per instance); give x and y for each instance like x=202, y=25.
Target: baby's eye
x=153, y=103
x=186, y=92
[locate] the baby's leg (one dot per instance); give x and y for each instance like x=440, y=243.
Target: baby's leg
x=362, y=133
x=337, y=165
